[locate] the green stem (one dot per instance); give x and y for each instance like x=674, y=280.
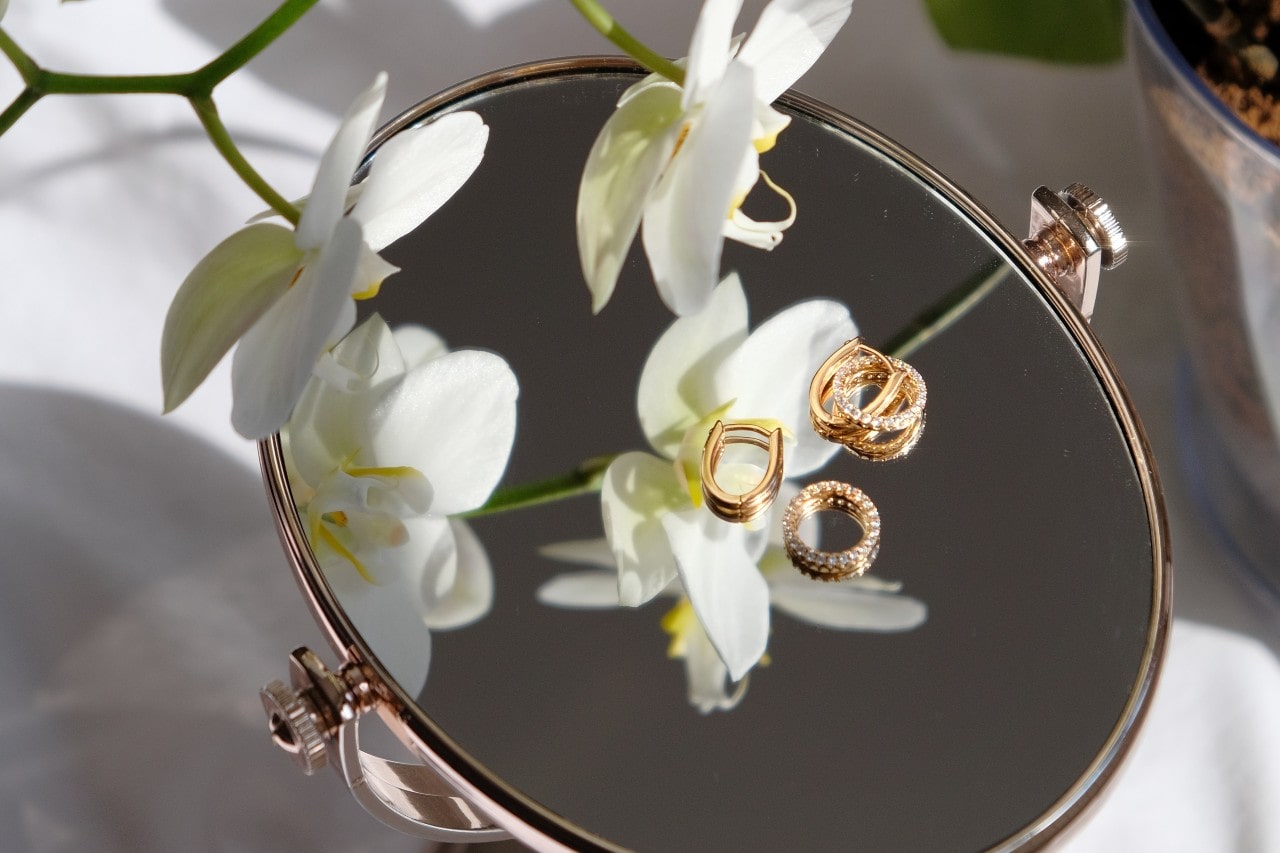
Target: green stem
x=191, y=85
x=207, y=112
x=25, y=64
x=61, y=83
x=604, y=22
x=582, y=480
x=196, y=86
x=235, y=57
x=14, y=111
x=944, y=313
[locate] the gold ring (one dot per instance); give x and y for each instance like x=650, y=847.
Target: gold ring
x=749, y=504
x=886, y=427
x=832, y=565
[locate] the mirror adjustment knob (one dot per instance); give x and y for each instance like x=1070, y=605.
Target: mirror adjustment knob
x=292, y=721
x=1073, y=237
x=1101, y=222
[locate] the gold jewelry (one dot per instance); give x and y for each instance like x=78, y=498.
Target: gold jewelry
x=749, y=504
x=886, y=427
x=832, y=565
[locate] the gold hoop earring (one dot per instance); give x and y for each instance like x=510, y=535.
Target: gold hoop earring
x=748, y=505
x=883, y=428
x=831, y=565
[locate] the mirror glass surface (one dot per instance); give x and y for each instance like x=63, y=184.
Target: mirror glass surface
x=1017, y=528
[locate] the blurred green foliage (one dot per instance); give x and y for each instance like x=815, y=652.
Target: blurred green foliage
x=1068, y=31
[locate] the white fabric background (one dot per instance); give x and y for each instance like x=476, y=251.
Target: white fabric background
x=145, y=595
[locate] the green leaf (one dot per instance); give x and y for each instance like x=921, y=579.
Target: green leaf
x=1069, y=31
x=222, y=297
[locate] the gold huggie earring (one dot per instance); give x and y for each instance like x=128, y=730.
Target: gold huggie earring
x=883, y=428
x=749, y=504
x=832, y=565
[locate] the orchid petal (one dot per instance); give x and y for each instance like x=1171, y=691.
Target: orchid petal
x=471, y=594
x=848, y=608
x=227, y=292
x=769, y=374
x=592, y=589
x=371, y=271
x=328, y=424
x=275, y=357
x=758, y=235
x=389, y=623
x=428, y=560
x=357, y=494
x=687, y=208
x=761, y=235
x=418, y=345
x=707, y=675
x=709, y=49
x=364, y=361
x=625, y=163
x=727, y=591
x=415, y=172
x=677, y=385
x=767, y=126
x=788, y=39
x=327, y=201
x=453, y=419
x=637, y=492
x=588, y=552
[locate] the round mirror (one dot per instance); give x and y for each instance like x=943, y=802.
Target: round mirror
x=972, y=689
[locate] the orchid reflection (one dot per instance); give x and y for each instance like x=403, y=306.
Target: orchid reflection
x=660, y=537
x=866, y=603
x=393, y=436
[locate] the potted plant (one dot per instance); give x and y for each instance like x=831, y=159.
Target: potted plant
x=1208, y=76
x=1208, y=71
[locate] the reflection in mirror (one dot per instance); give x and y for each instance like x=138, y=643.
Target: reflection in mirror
x=392, y=436
x=661, y=537
x=510, y=508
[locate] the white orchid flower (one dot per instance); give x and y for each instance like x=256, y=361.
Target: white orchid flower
x=393, y=436
x=703, y=368
x=864, y=603
x=682, y=159
x=286, y=294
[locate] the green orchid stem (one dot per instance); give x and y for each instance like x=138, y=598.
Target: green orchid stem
x=25, y=64
x=944, y=313
x=25, y=101
x=584, y=479
x=589, y=476
x=604, y=22
x=196, y=86
x=207, y=111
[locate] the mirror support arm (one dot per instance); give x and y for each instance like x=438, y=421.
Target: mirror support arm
x=316, y=719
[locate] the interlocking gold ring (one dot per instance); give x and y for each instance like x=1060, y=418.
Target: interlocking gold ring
x=886, y=427
x=749, y=504
x=832, y=565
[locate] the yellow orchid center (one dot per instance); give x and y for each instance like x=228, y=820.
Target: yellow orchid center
x=737, y=201
x=369, y=292
x=765, y=143
x=323, y=534
x=684, y=134
x=677, y=622
x=393, y=471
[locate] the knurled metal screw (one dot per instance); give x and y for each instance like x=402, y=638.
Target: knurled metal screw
x=292, y=721
x=1073, y=237
x=1101, y=223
